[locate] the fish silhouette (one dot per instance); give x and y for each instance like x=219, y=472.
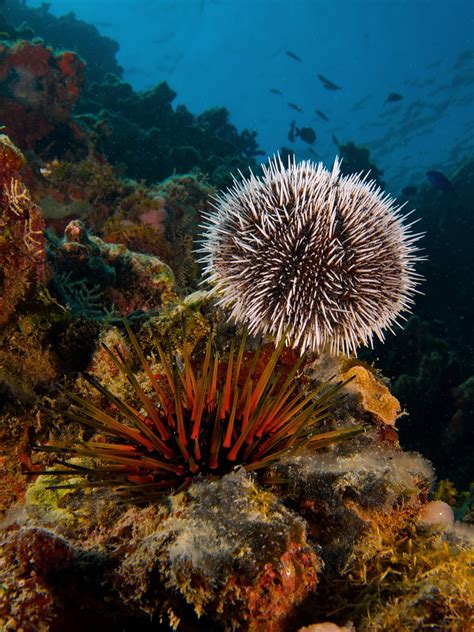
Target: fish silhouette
x=293, y=56
x=322, y=115
x=393, y=97
x=307, y=134
x=296, y=107
x=291, y=133
x=328, y=84
x=439, y=181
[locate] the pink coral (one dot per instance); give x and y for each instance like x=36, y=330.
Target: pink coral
x=155, y=217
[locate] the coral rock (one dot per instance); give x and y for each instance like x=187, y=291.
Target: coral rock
x=11, y=159
x=374, y=397
x=28, y=556
x=228, y=549
x=22, y=246
x=41, y=88
x=95, y=277
x=342, y=496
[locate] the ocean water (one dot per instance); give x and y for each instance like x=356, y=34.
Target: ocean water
x=232, y=52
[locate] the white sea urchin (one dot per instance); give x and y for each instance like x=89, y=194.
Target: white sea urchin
x=322, y=258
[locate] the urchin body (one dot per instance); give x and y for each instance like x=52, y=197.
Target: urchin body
x=322, y=258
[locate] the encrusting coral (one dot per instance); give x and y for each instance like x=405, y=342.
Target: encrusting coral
x=386, y=568
x=22, y=243
x=216, y=545
x=375, y=398
x=92, y=275
x=405, y=577
x=40, y=89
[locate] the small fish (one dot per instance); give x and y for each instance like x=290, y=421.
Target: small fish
x=334, y=140
x=329, y=85
x=275, y=91
x=322, y=115
x=307, y=134
x=293, y=56
x=293, y=106
x=312, y=152
x=439, y=181
x=291, y=133
x=393, y=97
x=409, y=191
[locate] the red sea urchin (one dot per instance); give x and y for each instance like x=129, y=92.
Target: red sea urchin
x=188, y=420
x=325, y=258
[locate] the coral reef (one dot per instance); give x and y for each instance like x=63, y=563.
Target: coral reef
x=425, y=369
x=40, y=89
x=94, y=278
x=31, y=556
x=64, y=32
x=226, y=552
x=142, y=132
x=22, y=244
x=210, y=553
x=384, y=568
x=409, y=578
x=216, y=548
x=357, y=160
x=344, y=496
x=25, y=360
x=344, y=535
x=162, y=220
x=87, y=189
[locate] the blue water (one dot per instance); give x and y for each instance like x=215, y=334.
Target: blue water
x=231, y=52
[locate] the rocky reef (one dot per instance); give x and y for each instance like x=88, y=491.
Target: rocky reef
x=344, y=534
x=100, y=313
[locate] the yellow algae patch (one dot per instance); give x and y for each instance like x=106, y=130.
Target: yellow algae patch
x=373, y=396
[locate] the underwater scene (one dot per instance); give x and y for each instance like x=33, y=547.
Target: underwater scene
x=236, y=315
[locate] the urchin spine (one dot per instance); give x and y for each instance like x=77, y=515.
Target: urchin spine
x=322, y=258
